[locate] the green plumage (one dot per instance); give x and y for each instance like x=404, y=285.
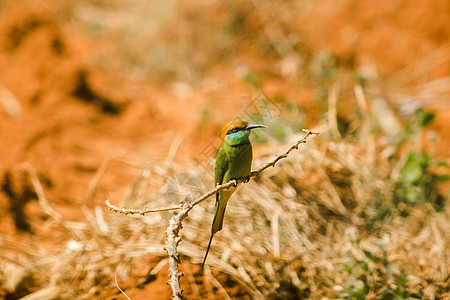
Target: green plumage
x=233, y=161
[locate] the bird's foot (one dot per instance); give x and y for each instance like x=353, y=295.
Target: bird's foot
x=235, y=181
x=243, y=179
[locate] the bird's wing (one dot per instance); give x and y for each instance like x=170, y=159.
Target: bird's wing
x=221, y=166
x=220, y=176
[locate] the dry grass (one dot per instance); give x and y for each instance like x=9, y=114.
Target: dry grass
x=322, y=223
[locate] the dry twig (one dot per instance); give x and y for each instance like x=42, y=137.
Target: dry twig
x=175, y=224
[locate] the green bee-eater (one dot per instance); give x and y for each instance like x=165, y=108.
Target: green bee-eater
x=234, y=161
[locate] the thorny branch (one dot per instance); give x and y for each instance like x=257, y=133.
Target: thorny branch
x=175, y=224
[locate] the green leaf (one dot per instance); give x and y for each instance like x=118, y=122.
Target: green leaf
x=348, y=268
x=369, y=255
x=412, y=170
x=424, y=117
x=441, y=177
x=441, y=163
x=358, y=291
x=387, y=295
x=401, y=280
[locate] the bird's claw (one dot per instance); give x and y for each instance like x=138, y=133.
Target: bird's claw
x=244, y=179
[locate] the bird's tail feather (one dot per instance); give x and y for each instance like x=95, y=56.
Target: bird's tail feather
x=218, y=216
x=221, y=204
x=207, y=250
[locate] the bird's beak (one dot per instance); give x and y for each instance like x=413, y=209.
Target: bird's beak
x=253, y=126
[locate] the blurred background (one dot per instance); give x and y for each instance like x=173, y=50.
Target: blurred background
x=125, y=100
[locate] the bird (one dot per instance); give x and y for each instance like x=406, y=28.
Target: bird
x=233, y=161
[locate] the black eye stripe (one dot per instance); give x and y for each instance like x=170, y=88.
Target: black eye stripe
x=235, y=129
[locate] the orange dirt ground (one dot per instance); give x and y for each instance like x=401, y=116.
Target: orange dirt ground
x=73, y=115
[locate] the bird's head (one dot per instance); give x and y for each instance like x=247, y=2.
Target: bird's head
x=237, y=131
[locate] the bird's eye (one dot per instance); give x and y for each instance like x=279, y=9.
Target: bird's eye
x=233, y=130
